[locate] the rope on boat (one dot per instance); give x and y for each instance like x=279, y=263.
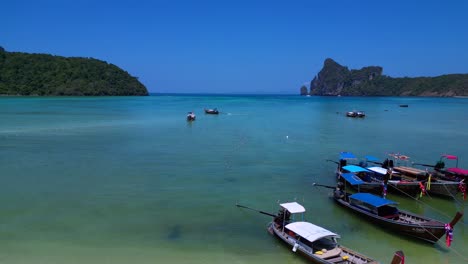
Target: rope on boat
x=453, y=196
x=421, y=226
x=421, y=202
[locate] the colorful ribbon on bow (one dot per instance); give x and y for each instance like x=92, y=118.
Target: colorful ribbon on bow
x=423, y=189
x=448, y=234
x=384, y=190
x=428, y=183
x=462, y=188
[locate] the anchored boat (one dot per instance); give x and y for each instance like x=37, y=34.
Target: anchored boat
x=191, y=116
x=315, y=242
x=384, y=213
x=212, y=111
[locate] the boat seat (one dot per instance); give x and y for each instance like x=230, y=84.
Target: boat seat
x=338, y=259
x=329, y=253
x=392, y=216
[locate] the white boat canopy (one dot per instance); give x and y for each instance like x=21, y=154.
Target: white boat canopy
x=381, y=170
x=310, y=231
x=293, y=207
x=378, y=170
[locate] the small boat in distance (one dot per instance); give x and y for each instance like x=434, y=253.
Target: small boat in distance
x=384, y=213
x=191, y=116
x=316, y=243
x=403, y=105
x=213, y=111
x=355, y=114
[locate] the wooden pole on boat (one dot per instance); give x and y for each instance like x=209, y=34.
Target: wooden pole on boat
x=457, y=217
x=258, y=211
x=425, y=165
x=325, y=186
x=398, y=258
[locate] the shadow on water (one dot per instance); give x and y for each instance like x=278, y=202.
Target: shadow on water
x=174, y=233
x=230, y=179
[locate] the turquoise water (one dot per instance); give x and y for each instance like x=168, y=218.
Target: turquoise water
x=128, y=180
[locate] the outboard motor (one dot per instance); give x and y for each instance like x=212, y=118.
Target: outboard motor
x=385, y=164
x=439, y=165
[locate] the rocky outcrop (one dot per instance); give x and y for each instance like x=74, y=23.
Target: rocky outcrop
x=304, y=90
x=335, y=79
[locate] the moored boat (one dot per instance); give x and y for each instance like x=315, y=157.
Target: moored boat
x=374, y=182
x=399, y=179
x=434, y=184
x=451, y=173
x=355, y=114
x=431, y=185
x=314, y=242
x=191, y=116
x=212, y=111
x=384, y=213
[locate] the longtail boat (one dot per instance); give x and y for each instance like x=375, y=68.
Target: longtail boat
x=451, y=173
x=369, y=181
x=434, y=182
x=432, y=185
x=314, y=242
x=374, y=183
x=384, y=213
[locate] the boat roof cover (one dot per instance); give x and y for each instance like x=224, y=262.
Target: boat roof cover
x=293, y=207
x=371, y=158
x=458, y=171
x=371, y=199
x=347, y=155
x=310, y=231
x=378, y=170
x=450, y=157
x=354, y=168
x=352, y=179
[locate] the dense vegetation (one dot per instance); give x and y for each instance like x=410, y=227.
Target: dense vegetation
x=335, y=79
x=445, y=85
x=43, y=74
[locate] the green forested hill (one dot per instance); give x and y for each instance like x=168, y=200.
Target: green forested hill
x=43, y=74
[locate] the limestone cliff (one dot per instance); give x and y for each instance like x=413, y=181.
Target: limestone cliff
x=335, y=79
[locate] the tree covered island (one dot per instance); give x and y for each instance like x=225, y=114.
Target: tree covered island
x=43, y=74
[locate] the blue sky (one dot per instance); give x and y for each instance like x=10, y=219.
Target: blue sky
x=243, y=46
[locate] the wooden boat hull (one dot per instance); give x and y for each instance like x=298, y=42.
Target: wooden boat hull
x=446, y=189
x=405, y=188
x=369, y=187
x=438, y=186
x=352, y=256
x=427, y=229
